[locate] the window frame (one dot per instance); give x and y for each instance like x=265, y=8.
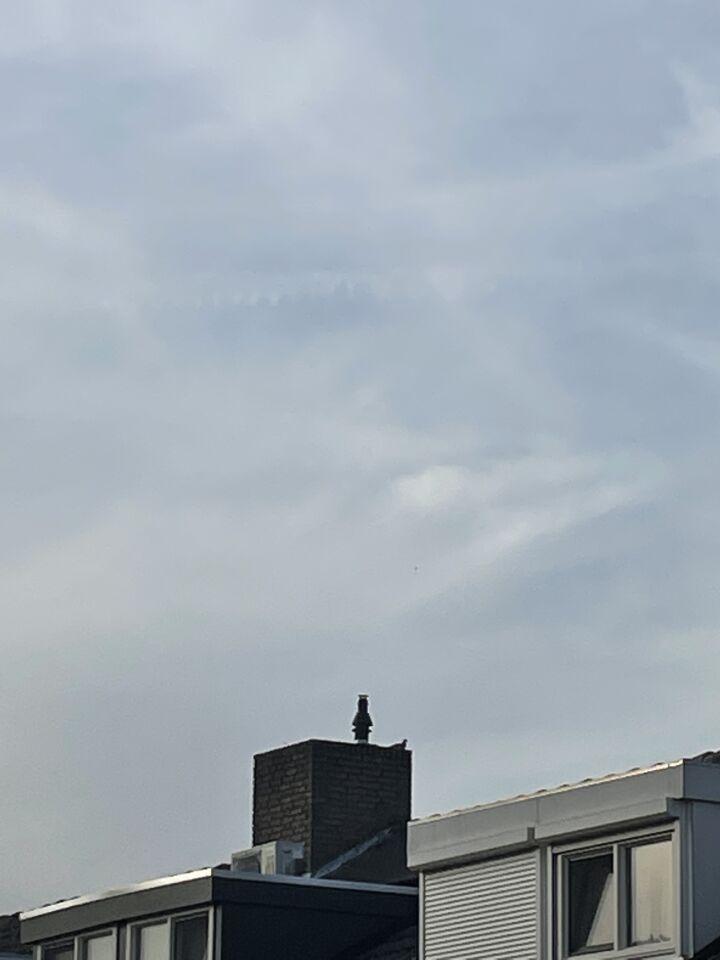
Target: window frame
x=619, y=845
x=567, y=859
x=67, y=943
x=76, y=942
x=627, y=873
x=192, y=915
x=82, y=938
x=136, y=926
x=170, y=920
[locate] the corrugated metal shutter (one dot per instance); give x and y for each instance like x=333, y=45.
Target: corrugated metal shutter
x=484, y=911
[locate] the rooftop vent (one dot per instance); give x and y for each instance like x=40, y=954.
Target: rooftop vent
x=284, y=857
x=363, y=721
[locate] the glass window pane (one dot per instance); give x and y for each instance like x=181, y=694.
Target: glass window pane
x=191, y=937
x=591, y=910
x=152, y=942
x=64, y=952
x=651, y=905
x=99, y=948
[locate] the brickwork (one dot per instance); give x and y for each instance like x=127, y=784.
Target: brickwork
x=329, y=795
x=282, y=794
x=10, y=934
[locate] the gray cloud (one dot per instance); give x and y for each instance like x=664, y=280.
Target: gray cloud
x=345, y=349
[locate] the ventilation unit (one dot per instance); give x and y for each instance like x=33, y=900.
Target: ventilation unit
x=283, y=857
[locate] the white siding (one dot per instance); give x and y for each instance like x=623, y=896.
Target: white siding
x=483, y=911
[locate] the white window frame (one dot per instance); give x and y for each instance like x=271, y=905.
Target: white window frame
x=133, y=929
x=76, y=943
x=82, y=939
x=208, y=913
x=170, y=920
x=618, y=845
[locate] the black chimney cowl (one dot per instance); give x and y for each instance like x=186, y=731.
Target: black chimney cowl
x=363, y=721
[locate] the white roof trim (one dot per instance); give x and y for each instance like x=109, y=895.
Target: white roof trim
x=551, y=791
x=118, y=892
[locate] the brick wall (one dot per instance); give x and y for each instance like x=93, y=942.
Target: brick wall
x=329, y=795
x=10, y=934
x=282, y=794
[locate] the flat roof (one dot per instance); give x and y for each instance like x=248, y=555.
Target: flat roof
x=115, y=892
x=550, y=791
x=208, y=872
x=250, y=891
x=596, y=804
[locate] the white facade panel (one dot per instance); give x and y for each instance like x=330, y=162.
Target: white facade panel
x=483, y=911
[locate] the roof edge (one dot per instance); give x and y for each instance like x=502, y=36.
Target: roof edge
x=211, y=872
x=553, y=791
x=116, y=892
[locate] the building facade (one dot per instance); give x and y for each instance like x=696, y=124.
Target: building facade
x=326, y=877
x=626, y=867
x=221, y=914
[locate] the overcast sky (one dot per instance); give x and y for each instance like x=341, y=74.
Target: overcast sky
x=348, y=347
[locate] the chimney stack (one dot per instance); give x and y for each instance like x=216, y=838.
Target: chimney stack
x=347, y=803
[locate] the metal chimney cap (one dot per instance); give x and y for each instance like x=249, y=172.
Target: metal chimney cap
x=362, y=721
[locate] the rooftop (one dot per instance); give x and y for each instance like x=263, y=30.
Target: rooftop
x=640, y=795
x=212, y=873
x=279, y=915
x=708, y=757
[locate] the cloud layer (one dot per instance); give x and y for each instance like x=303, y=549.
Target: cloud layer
x=348, y=348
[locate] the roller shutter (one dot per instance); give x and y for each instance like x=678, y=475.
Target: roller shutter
x=484, y=911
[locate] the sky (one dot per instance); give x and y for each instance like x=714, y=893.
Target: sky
x=348, y=348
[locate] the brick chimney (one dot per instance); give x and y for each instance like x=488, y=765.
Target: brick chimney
x=347, y=802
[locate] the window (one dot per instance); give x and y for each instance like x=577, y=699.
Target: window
x=650, y=888
x=151, y=942
x=190, y=939
x=59, y=951
x=591, y=910
x=184, y=936
x=179, y=937
x=101, y=947
x=617, y=897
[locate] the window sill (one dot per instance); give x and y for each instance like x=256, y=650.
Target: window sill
x=629, y=953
